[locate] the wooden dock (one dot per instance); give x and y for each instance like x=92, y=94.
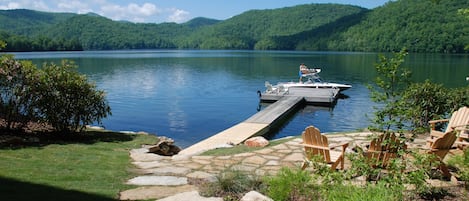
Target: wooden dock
x=258, y=124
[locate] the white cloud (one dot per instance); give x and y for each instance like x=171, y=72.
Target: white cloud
x=135, y=12
x=132, y=12
x=74, y=6
x=36, y=5
x=40, y=5
x=178, y=15
x=10, y=5
x=147, y=9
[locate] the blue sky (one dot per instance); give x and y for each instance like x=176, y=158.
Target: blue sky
x=157, y=11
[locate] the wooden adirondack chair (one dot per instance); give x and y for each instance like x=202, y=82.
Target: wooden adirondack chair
x=440, y=147
x=316, y=144
x=382, y=149
x=458, y=122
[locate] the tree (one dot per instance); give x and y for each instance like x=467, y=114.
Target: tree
x=55, y=94
x=391, y=81
x=16, y=94
x=424, y=102
x=68, y=100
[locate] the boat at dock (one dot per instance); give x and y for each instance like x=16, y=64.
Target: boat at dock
x=312, y=95
x=313, y=80
x=313, y=90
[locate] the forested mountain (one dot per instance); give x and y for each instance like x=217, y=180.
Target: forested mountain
x=261, y=29
x=26, y=30
x=419, y=25
x=29, y=22
x=200, y=22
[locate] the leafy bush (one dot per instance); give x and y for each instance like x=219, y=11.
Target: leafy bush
x=291, y=184
x=391, y=81
x=424, y=102
x=68, y=100
x=16, y=94
x=421, y=170
x=461, y=163
x=361, y=166
x=360, y=193
x=458, y=97
x=231, y=184
x=427, y=101
x=57, y=95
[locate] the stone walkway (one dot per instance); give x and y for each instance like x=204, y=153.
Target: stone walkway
x=169, y=177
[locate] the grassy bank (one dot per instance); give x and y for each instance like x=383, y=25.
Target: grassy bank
x=93, y=166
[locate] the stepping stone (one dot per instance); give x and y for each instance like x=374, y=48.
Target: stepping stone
x=154, y=192
x=158, y=181
x=294, y=157
x=202, y=175
x=254, y=195
x=149, y=164
x=143, y=155
x=192, y=196
x=244, y=168
x=171, y=171
x=272, y=163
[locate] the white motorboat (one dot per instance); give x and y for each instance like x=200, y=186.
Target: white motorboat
x=314, y=90
x=313, y=80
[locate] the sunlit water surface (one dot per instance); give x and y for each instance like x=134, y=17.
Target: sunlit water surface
x=191, y=95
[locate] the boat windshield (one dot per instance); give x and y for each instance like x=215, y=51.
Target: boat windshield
x=314, y=78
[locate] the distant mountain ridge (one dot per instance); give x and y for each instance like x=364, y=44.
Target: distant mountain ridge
x=419, y=25
x=27, y=22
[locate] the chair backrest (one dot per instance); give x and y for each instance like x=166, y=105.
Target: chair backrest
x=319, y=143
x=443, y=144
x=458, y=118
x=382, y=149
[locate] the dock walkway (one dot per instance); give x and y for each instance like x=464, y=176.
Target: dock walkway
x=258, y=124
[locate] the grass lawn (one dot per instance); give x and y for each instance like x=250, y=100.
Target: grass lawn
x=93, y=166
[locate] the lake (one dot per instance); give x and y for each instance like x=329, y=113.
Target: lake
x=189, y=95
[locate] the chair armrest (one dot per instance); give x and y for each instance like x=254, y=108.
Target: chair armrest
x=344, y=146
x=463, y=127
x=433, y=122
x=314, y=146
x=438, y=121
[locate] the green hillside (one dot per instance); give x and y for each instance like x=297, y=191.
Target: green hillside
x=29, y=22
x=258, y=29
x=419, y=25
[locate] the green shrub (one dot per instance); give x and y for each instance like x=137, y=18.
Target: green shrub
x=424, y=102
x=461, y=164
x=361, y=167
x=391, y=81
x=57, y=95
x=458, y=97
x=231, y=184
x=291, y=184
x=68, y=100
x=16, y=92
x=368, y=192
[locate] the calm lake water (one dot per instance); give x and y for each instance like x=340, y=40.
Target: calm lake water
x=191, y=95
